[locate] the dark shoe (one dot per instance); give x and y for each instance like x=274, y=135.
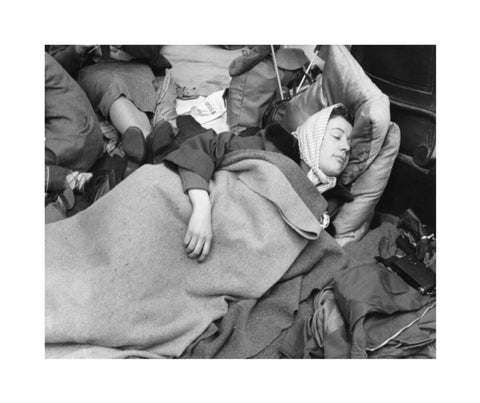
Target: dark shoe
x=134, y=145
x=160, y=141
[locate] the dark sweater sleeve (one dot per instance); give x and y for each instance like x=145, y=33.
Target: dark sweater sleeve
x=201, y=154
x=192, y=180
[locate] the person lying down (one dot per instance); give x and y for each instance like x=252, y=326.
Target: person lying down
x=123, y=275
x=320, y=146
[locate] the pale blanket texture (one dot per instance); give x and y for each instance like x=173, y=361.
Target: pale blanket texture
x=118, y=281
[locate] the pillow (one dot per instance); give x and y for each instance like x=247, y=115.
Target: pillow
x=353, y=219
x=344, y=81
x=372, y=150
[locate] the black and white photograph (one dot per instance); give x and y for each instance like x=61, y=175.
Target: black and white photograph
x=239, y=202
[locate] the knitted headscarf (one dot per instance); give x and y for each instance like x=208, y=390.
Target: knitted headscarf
x=310, y=136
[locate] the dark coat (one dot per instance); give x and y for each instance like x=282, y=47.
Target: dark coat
x=73, y=62
x=73, y=138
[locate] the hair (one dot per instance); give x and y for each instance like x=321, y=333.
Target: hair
x=342, y=112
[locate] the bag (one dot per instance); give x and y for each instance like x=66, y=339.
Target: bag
x=276, y=113
x=254, y=91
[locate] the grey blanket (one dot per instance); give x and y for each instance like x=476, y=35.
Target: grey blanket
x=119, y=284
x=254, y=328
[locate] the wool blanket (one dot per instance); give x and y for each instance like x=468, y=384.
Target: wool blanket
x=255, y=328
x=118, y=281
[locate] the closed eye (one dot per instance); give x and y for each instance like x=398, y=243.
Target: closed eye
x=337, y=133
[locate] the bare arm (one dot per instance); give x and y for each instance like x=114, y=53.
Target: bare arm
x=198, y=239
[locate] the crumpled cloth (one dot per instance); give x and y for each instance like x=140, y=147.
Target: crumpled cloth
x=369, y=312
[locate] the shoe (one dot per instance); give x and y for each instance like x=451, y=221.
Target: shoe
x=160, y=142
x=134, y=145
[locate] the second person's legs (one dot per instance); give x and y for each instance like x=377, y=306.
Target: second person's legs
x=123, y=114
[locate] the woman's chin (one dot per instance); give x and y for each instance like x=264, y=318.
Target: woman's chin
x=336, y=170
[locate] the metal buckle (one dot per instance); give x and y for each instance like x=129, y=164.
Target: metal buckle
x=325, y=220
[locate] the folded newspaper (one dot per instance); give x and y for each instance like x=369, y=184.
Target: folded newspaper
x=204, y=109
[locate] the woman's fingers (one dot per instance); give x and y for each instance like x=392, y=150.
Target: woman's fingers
x=198, y=248
x=190, y=247
x=187, y=239
x=205, y=251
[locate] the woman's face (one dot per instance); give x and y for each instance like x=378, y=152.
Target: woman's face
x=335, y=148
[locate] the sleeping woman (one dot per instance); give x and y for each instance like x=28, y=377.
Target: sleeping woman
x=320, y=146
x=119, y=281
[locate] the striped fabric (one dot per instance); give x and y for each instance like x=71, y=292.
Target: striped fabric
x=310, y=136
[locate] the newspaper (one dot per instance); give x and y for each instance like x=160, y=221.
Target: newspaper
x=208, y=111
x=204, y=109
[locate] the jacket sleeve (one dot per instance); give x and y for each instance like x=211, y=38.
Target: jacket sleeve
x=200, y=155
x=192, y=180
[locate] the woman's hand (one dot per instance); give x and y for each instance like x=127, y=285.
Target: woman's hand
x=198, y=239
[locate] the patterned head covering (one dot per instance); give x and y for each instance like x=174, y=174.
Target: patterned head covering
x=310, y=136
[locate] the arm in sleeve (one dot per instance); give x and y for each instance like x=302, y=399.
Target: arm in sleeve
x=192, y=180
x=201, y=155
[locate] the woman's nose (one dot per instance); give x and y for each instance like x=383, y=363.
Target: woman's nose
x=345, y=144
